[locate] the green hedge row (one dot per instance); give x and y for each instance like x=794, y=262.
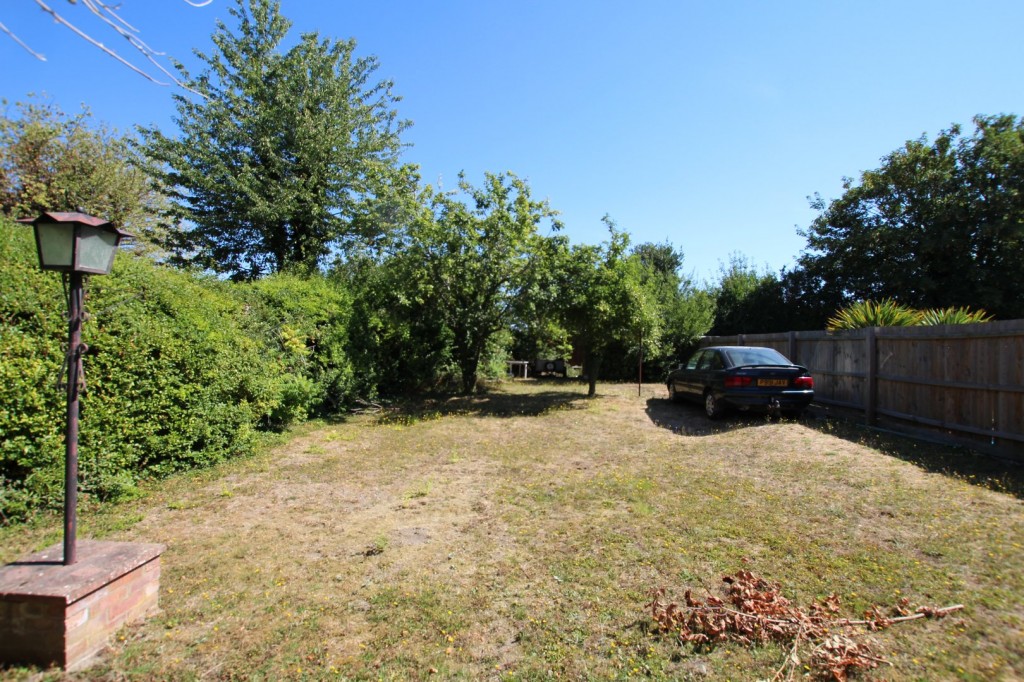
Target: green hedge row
x=182, y=370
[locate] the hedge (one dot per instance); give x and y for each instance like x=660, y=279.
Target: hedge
x=183, y=370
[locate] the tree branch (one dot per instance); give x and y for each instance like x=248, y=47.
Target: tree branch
x=16, y=39
x=108, y=14
x=89, y=39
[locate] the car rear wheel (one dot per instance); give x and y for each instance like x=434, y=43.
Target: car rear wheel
x=713, y=408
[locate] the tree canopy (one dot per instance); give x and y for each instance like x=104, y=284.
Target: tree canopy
x=686, y=310
x=602, y=299
x=938, y=224
x=747, y=299
x=54, y=161
x=475, y=261
x=282, y=153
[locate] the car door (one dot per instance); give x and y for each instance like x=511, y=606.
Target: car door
x=704, y=375
x=688, y=383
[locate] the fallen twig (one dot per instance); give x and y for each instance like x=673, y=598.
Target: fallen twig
x=922, y=612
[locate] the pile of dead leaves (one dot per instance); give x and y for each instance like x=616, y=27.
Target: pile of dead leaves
x=754, y=611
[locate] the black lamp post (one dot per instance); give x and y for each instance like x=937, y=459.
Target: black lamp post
x=75, y=244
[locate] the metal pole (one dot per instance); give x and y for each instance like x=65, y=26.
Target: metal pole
x=640, y=366
x=71, y=440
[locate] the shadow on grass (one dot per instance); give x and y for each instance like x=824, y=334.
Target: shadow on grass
x=484, y=404
x=688, y=419
x=976, y=468
x=971, y=466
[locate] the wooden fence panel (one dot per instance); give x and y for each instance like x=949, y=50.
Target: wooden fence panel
x=849, y=365
x=962, y=382
x=1010, y=412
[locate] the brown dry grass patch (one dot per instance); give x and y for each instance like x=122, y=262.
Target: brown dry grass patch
x=518, y=534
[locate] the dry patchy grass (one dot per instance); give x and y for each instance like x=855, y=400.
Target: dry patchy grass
x=518, y=535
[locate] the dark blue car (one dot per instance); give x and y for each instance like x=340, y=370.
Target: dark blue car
x=743, y=378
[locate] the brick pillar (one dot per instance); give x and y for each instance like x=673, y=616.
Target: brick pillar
x=64, y=615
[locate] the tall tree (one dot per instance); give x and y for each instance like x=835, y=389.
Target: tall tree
x=473, y=261
x=938, y=224
x=748, y=301
x=686, y=310
x=604, y=301
x=282, y=154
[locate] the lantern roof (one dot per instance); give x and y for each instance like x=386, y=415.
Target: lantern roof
x=74, y=217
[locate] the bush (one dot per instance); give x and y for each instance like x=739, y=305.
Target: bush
x=305, y=319
x=175, y=381
x=182, y=371
x=884, y=313
x=32, y=331
x=398, y=341
x=889, y=313
x=953, y=316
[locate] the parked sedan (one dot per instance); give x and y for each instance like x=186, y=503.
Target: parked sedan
x=743, y=378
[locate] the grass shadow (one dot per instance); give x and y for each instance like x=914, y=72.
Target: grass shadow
x=971, y=466
x=688, y=419
x=488, y=403
x=956, y=461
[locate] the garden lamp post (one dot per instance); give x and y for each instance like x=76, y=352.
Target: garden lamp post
x=74, y=244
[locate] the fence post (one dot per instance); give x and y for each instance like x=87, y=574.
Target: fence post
x=871, y=381
x=792, y=347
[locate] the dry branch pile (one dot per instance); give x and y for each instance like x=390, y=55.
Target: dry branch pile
x=754, y=611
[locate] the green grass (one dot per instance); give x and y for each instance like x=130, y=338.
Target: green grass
x=519, y=534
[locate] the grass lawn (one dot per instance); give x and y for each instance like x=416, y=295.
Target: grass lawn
x=519, y=535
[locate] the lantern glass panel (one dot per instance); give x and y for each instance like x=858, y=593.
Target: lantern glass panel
x=55, y=245
x=96, y=249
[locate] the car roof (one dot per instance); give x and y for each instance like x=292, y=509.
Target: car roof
x=738, y=348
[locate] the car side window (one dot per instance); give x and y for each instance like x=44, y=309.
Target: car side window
x=716, y=361
x=692, y=364
x=707, y=359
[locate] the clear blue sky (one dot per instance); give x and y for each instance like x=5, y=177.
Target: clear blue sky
x=704, y=124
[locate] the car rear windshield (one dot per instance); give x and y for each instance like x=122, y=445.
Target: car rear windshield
x=756, y=356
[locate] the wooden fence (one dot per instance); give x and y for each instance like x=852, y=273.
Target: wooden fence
x=963, y=383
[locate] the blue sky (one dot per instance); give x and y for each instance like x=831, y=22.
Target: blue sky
x=703, y=124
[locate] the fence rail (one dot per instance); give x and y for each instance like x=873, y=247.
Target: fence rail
x=963, y=383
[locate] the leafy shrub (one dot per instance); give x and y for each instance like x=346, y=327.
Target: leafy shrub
x=182, y=370
x=305, y=319
x=175, y=381
x=953, y=316
x=889, y=313
x=494, y=363
x=397, y=339
x=884, y=313
x=32, y=331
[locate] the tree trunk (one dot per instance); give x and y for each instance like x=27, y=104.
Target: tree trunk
x=593, y=366
x=468, y=366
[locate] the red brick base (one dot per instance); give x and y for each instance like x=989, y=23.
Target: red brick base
x=64, y=615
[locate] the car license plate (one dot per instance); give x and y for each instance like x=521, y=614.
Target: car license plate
x=773, y=382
